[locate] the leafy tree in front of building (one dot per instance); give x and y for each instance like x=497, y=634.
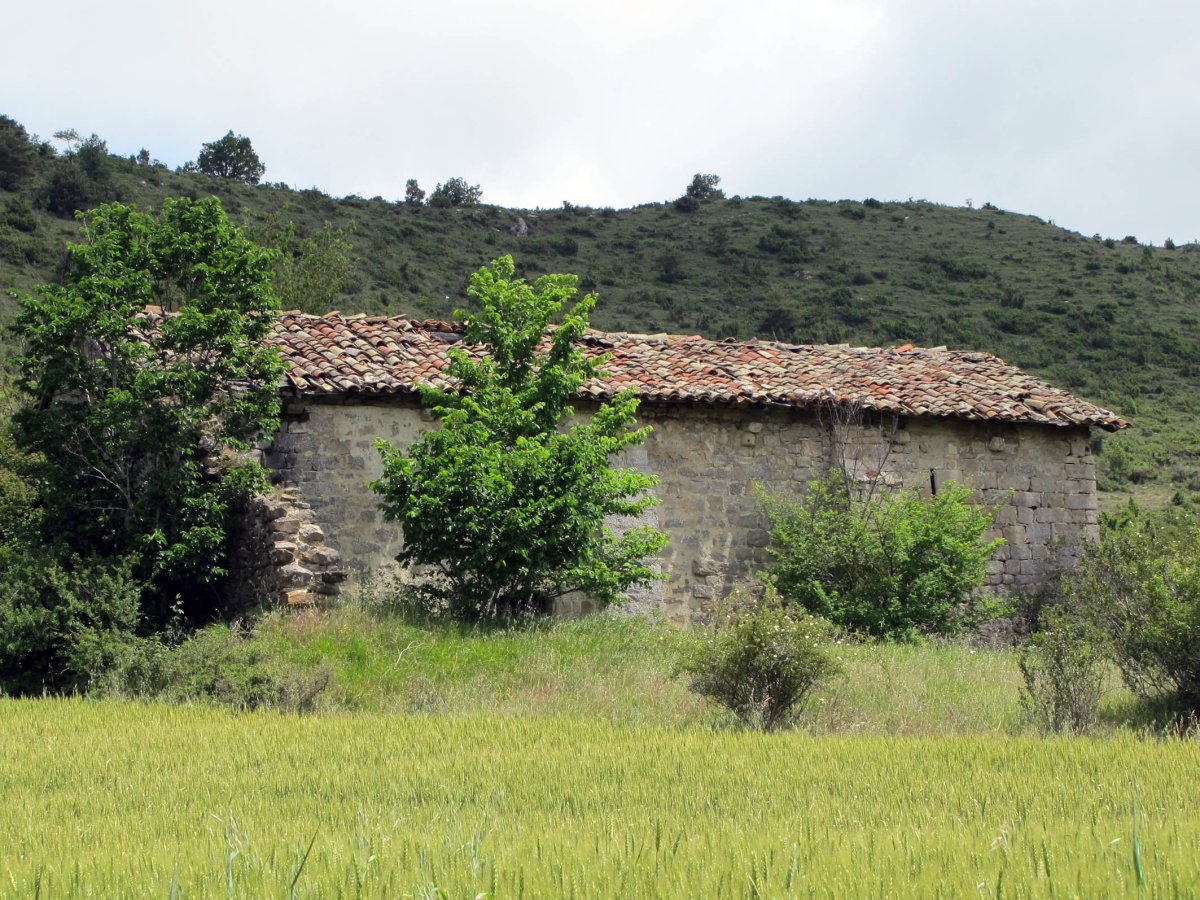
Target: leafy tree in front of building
x=506, y=505
x=133, y=417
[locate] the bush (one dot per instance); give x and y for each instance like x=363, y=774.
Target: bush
x=1063, y=668
x=1140, y=587
x=892, y=565
x=221, y=664
x=63, y=624
x=759, y=659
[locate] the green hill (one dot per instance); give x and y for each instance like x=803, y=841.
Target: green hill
x=1115, y=321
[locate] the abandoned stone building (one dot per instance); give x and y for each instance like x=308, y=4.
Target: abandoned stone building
x=725, y=415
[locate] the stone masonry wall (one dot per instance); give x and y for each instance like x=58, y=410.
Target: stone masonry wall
x=707, y=460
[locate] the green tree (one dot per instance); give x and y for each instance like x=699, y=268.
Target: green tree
x=231, y=157
x=704, y=187
x=16, y=154
x=504, y=502
x=131, y=410
x=455, y=192
x=413, y=195
x=312, y=270
x=890, y=565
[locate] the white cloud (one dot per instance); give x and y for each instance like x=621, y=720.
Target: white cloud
x=1081, y=112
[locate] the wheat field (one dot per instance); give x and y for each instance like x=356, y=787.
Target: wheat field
x=110, y=799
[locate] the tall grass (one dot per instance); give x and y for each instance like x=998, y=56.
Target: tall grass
x=621, y=668
x=127, y=799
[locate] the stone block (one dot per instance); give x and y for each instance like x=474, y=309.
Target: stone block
x=295, y=575
x=299, y=598
x=311, y=533
x=282, y=552
x=1081, y=501
x=755, y=427
x=289, y=524
x=758, y=537
x=707, y=566
x=320, y=555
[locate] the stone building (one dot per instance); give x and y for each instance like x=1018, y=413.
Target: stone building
x=725, y=415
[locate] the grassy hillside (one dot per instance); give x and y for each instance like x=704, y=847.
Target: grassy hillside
x=1114, y=321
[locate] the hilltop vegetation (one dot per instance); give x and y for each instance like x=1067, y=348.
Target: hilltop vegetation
x=1115, y=321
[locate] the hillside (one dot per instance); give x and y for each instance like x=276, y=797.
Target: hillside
x=1110, y=319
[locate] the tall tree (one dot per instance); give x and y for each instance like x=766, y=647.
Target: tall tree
x=231, y=157
x=140, y=370
x=456, y=192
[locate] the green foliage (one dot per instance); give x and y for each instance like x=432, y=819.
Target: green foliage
x=67, y=189
x=1140, y=587
x=413, y=195
x=1062, y=665
x=16, y=154
x=455, y=192
x=890, y=565
x=505, y=503
x=221, y=664
x=130, y=414
x=311, y=271
x=760, y=658
x=62, y=622
x=704, y=188
x=231, y=157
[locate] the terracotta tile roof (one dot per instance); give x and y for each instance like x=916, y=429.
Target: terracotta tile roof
x=381, y=355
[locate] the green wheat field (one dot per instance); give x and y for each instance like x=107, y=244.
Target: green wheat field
x=125, y=799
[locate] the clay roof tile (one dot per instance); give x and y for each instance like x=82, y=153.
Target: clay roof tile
x=382, y=355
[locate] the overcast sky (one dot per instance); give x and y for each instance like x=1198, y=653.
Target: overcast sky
x=1087, y=113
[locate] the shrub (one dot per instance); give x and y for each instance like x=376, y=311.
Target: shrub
x=1140, y=587
x=759, y=659
x=1063, y=668
x=890, y=565
x=63, y=623
x=221, y=664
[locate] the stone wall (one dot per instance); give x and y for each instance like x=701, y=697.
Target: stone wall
x=707, y=460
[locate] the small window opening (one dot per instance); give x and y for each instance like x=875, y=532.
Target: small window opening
x=933, y=482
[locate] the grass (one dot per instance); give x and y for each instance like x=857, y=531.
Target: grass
x=126, y=799
x=621, y=669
